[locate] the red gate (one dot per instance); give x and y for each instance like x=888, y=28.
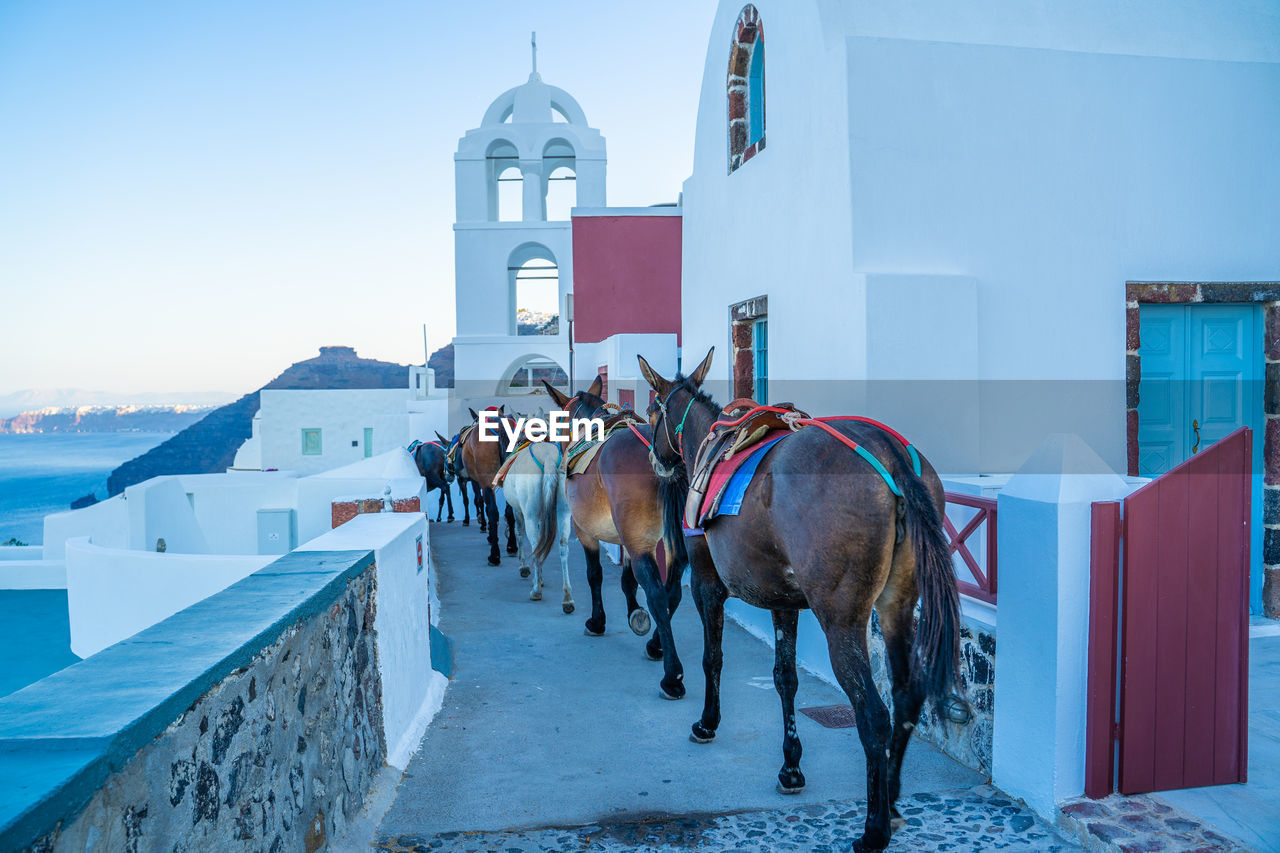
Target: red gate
x=1180, y=594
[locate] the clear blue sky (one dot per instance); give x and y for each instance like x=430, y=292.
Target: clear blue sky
x=195, y=195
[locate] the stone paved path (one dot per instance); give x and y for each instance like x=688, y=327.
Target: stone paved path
x=544, y=728
x=977, y=818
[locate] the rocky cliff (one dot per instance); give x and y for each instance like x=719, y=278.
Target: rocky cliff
x=209, y=445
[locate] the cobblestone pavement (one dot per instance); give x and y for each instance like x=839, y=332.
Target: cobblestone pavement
x=1144, y=823
x=970, y=819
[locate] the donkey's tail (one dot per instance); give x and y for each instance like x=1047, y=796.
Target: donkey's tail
x=673, y=492
x=549, y=526
x=935, y=654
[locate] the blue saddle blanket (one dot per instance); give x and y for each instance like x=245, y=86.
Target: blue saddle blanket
x=730, y=502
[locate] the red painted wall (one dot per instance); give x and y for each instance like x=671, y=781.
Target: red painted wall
x=626, y=276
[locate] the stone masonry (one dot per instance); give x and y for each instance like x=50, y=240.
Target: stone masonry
x=277, y=756
x=969, y=743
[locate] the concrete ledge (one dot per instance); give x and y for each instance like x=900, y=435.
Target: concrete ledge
x=61, y=737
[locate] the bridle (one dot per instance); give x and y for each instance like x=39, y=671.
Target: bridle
x=674, y=439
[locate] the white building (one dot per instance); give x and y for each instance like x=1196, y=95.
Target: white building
x=970, y=199
x=533, y=158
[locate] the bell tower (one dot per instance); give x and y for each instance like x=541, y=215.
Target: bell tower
x=517, y=176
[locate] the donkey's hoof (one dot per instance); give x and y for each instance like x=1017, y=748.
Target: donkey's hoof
x=524, y=572
x=701, y=735
x=650, y=653
x=536, y=595
x=588, y=632
x=513, y=550
x=790, y=782
x=671, y=691
x=896, y=820
x=567, y=607
x=466, y=524
x=639, y=621
x=495, y=561
x=866, y=843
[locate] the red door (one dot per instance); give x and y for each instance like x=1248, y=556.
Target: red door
x=1184, y=628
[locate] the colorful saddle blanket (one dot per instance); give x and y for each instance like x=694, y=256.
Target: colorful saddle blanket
x=582, y=453
x=729, y=480
x=748, y=430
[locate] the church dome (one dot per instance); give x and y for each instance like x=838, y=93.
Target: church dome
x=534, y=103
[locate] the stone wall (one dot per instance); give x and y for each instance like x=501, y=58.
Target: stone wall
x=343, y=511
x=276, y=756
x=969, y=743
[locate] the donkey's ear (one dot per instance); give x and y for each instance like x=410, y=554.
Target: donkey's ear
x=562, y=399
x=660, y=385
x=474, y=416
x=596, y=386
x=443, y=440
x=502, y=410
x=700, y=372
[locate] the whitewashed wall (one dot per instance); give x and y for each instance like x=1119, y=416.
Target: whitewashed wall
x=113, y=593
x=411, y=690
x=1039, y=154
x=341, y=415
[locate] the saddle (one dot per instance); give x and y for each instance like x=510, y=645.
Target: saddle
x=742, y=425
x=581, y=454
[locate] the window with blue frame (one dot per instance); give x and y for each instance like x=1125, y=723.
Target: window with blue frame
x=311, y=442
x=760, y=359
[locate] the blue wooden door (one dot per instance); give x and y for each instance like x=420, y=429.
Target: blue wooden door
x=1202, y=378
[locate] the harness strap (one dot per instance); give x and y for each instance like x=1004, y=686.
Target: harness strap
x=856, y=448
x=640, y=436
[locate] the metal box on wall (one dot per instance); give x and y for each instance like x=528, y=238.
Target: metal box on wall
x=277, y=532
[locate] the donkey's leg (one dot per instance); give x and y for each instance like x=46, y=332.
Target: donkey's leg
x=852, y=665
x=466, y=504
x=565, y=517
x=656, y=595
x=595, y=578
x=444, y=490
x=512, y=546
x=447, y=494
x=675, y=592
x=908, y=694
x=491, y=510
x=529, y=535
x=709, y=594
x=482, y=509
x=637, y=616
x=790, y=779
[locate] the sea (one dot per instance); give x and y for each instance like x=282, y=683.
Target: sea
x=41, y=473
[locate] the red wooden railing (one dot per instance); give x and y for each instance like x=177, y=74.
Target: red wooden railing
x=983, y=584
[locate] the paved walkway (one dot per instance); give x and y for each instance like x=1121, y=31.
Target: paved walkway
x=549, y=739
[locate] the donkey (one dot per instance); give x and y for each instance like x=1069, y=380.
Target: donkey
x=618, y=500
x=456, y=470
x=534, y=489
x=429, y=457
x=482, y=460
x=819, y=528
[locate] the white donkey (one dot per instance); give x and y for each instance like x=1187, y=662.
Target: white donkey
x=534, y=489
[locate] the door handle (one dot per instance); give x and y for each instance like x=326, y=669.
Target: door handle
x=1195, y=425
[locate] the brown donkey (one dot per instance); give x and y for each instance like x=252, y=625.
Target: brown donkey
x=819, y=528
x=482, y=459
x=618, y=500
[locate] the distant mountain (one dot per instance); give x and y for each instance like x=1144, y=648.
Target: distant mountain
x=536, y=322
x=209, y=446
x=105, y=419
x=31, y=399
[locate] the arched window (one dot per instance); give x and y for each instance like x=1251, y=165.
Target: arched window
x=506, y=183
x=535, y=291
x=560, y=166
x=746, y=88
x=529, y=375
